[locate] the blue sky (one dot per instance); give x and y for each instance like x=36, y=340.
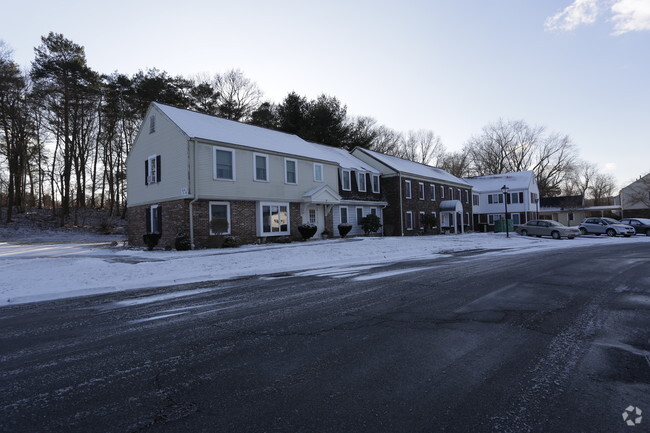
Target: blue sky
x=578, y=67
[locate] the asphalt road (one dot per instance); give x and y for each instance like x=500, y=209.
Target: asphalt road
x=534, y=342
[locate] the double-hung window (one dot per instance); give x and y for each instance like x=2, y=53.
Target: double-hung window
x=421, y=220
x=359, y=215
x=275, y=219
x=375, y=183
x=421, y=190
x=152, y=169
x=407, y=187
x=261, y=167
x=361, y=181
x=318, y=172
x=290, y=171
x=409, y=220
x=220, y=210
x=346, y=182
x=343, y=214
x=475, y=199
x=432, y=187
x=224, y=164
x=442, y=192
x=153, y=219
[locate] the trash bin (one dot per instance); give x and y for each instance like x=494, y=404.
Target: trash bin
x=500, y=226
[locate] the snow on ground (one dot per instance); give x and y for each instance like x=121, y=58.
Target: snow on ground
x=82, y=265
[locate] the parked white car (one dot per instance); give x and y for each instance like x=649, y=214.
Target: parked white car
x=607, y=226
x=541, y=228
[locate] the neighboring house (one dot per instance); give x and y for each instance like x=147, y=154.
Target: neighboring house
x=359, y=188
x=635, y=198
x=415, y=190
x=186, y=169
x=488, y=201
x=571, y=210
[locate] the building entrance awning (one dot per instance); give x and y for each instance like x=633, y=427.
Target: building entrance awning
x=451, y=206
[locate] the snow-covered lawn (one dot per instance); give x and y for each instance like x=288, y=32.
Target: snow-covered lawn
x=41, y=271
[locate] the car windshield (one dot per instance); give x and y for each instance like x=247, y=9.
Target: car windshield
x=555, y=224
x=610, y=221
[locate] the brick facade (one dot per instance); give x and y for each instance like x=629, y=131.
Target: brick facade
x=395, y=224
x=175, y=219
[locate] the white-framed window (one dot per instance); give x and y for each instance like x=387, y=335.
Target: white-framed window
x=274, y=218
x=421, y=190
x=466, y=196
x=152, y=169
x=433, y=192
x=451, y=193
x=494, y=217
x=152, y=124
x=154, y=219
x=435, y=219
x=312, y=216
x=375, y=183
x=514, y=198
x=495, y=198
x=467, y=221
x=260, y=167
x=346, y=182
x=224, y=164
x=533, y=197
x=359, y=215
x=407, y=186
x=409, y=220
x=460, y=194
x=421, y=220
x=442, y=192
x=373, y=211
x=318, y=172
x=361, y=181
x=343, y=213
x=516, y=218
x=476, y=199
x=290, y=171
x=220, y=210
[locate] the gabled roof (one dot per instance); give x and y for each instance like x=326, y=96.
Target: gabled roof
x=494, y=182
x=405, y=166
x=346, y=160
x=212, y=128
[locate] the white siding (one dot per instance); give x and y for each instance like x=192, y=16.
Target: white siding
x=352, y=218
x=246, y=188
x=171, y=144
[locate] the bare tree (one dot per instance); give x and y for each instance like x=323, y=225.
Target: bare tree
x=387, y=141
x=602, y=188
x=456, y=163
x=579, y=178
x=515, y=146
x=238, y=96
x=422, y=146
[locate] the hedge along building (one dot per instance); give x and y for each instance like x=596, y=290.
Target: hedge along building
x=186, y=169
x=414, y=191
x=359, y=186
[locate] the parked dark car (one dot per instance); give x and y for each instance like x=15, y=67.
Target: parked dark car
x=547, y=228
x=607, y=226
x=641, y=225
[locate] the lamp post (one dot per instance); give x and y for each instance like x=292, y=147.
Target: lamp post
x=537, y=205
x=505, y=190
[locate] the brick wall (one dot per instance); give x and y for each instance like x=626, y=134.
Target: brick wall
x=175, y=219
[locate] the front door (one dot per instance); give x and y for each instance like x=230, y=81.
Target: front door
x=316, y=215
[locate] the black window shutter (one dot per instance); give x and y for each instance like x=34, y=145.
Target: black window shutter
x=159, y=215
x=146, y=172
x=521, y=197
x=158, y=170
x=147, y=218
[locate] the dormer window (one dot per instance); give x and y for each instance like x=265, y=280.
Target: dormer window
x=361, y=181
x=345, y=180
x=375, y=183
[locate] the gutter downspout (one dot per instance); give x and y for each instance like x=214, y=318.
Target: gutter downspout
x=401, y=213
x=194, y=192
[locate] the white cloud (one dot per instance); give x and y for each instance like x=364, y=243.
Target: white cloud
x=578, y=13
x=610, y=167
x=627, y=15
x=631, y=16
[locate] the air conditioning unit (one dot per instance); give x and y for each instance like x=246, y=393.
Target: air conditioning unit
x=151, y=178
